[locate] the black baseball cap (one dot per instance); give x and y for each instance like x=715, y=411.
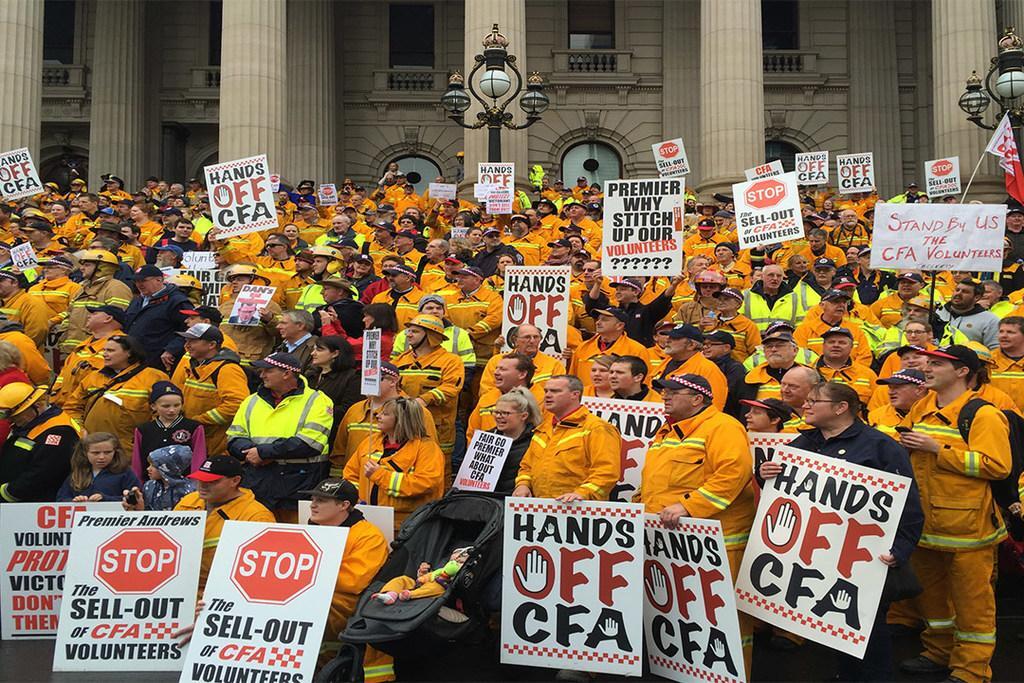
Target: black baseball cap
x=958, y=353
x=686, y=331
x=148, y=271
x=336, y=488
x=113, y=311
x=279, y=360
x=907, y=376
x=824, y=262
x=835, y=294
x=204, y=331
x=688, y=381
x=833, y=331
x=774, y=406
x=217, y=467
x=613, y=312
x=561, y=243
x=720, y=337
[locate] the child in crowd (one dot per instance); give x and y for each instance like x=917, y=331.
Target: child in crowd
x=170, y=428
x=168, y=468
x=99, y=471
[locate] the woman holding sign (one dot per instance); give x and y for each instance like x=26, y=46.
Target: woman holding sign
x=516, y=415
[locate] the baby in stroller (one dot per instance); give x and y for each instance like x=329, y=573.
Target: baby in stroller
x=427, y=584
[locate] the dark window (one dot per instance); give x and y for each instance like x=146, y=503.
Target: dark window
x=783, y=151
x=216, y=28
x=59, y=31
x=411, y=36
x=591, y=24
x=779, y=25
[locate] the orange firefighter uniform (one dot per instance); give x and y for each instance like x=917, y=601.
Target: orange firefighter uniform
x=437, y=379
x=105, y=401
x=212, y=393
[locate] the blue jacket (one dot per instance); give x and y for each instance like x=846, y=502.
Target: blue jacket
x=107, y=483
x=155, y=323
x=866, y=446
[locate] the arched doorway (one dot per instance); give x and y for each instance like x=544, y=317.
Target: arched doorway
x=595, y=161
x=64, y=168
x=413, y=163
x=783, y=151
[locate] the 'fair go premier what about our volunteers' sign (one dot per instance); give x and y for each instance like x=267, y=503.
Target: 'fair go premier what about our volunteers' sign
x=643, y=227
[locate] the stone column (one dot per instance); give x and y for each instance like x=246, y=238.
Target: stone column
x=21, y=74
x=252, y=81
x=510, y=16
x=874, y=124
x=964, y=39
x=680, y=90
x=732, y=92
x=1013, y=15
x=117, y=131
x=312, y=110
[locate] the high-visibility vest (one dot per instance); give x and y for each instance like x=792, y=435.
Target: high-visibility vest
x=306, y=415
x=791, y=307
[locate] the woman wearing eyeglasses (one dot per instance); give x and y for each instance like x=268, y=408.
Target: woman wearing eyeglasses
x=115, y=398
x=516, y=414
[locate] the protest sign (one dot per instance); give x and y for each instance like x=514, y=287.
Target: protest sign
x=250, y=304
x=499, y=201
x=442, y=190
x=275, y=183
x=241, y=198
x=484, y=459
x=766, y=170
x=643, y=227
x=481, y=191
x=638, y=422
x=855, y=172
x=198, y=260
x=812, y=168
x=131, y=583
x=327, y=194
x=267, y=598
x=572, y=594
x=499, y=181
x=18, y=176
x=938, y=237
x=763, y=445
x=539, y=296
x=670, y=157
x=34, y=542
x=212, y=281
x=23, y=256
x=690, y=619
x=942, y=177
x=811, y=566
x=768, y=210
x=381, y=516
x=370, y=379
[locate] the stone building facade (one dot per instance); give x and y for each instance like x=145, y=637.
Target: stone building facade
x=340, y=88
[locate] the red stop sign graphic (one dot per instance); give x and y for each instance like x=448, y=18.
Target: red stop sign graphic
x=942, y=167
x=668, y=150
x=276, y=566
x=137, y=561
x=765, y=193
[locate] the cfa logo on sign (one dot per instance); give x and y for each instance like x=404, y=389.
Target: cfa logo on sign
x=276, y=566
x=765, y=193
x=137, y=561
x=942, y=167
x=668, y=150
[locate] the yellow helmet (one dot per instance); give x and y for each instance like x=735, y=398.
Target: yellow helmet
x=328, y=252
x=983, y=352
x=99, y=256
x=431, y=323
x=17, y=397
x=183, y=281
x=240, y=269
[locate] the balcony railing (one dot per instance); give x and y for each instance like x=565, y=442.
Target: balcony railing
x=206, y=78
x=63, y=76
x=789, y=62
x=600, y=62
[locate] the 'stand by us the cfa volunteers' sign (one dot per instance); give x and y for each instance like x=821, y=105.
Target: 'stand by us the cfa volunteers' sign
x=131, y=583
x=643, y=227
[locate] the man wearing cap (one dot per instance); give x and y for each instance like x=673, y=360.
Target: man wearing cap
x=836, y=364
x=641, y=318
x=768, y=416
x=458, y=340
x=220, y=495
x=728, y=319
x=704, y=240
x=780, y=352
x=36, y=457
x=718, y=347
x=281, y=432
x=213, y=383
x=889, y=309
x=486, y=260
x=432, y=376
x=155, y=315
x=904, y=388
x=1015, y=230
x=403, y=294
x=528, y=245
x=19, y=306
x=102, y=322
x=476, y=309
x=39, y=233
x=611, y=338
x=576, y=216
x=962, y=525
x=341, y=313
x=333, y=504
x=383, y=243
x=55, y=289
x=699, y=465
x=834, y=312
x=683, y=352
x=964, y=314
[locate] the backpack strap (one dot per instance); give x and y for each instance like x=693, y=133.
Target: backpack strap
x=967, y=414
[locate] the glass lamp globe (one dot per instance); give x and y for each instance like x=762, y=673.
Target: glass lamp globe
x=534, y=102
x=455, y=101
x=974, y=102
x=495, y=83
x=1010, y=84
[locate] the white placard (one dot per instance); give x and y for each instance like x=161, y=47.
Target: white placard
x=812, y=168
x=241, y=197
x=498, y=202
x=768, y=211
x=766, y=170
x=250, y=304
x=34, y=543
x=670, y=158
x=23, y=256
x=381, y=516
x=821, y=526
x=481, y=191
x=267, y=598
x=938, y=237
x=442, y=190
x=485, y=456
x=131, y=583
x=212, y=281
x=690, y=618
x=327, y=194
x=199, y=260
x=501, y=177
x=539, y=296
x=370, y=379
x=763, y=445
x=638, y=422
x=942, y=177
x=275, y=183
x=855, y=172
x=584, y=559
x=643, y=227
x=18, y=176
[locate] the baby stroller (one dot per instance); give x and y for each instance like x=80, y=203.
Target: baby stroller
x=430, y=535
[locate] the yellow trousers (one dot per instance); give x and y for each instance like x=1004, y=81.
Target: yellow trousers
x=429, y=589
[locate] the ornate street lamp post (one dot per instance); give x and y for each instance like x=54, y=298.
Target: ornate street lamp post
x=1003, y=84
x=494, y=83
